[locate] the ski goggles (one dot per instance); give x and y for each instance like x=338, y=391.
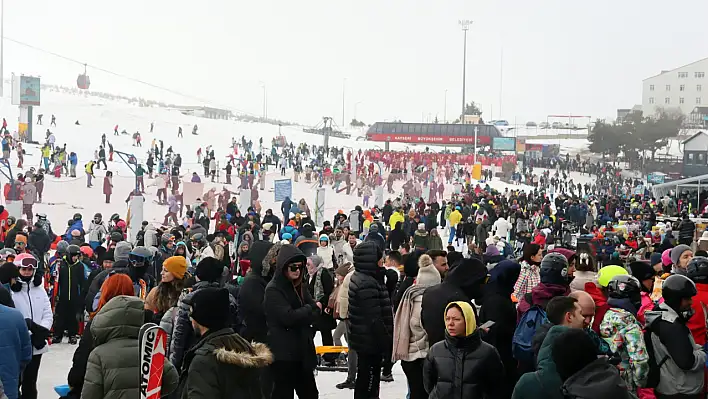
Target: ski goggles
x=137, y=258
x=28, y=263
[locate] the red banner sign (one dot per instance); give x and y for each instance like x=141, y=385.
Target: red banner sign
x=411, y=138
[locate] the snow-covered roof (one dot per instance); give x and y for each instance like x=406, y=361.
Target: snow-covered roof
x=671, y=70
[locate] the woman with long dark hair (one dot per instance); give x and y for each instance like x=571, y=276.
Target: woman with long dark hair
x=530, y=270
x=162, y=300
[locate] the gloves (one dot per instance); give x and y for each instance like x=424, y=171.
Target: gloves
x=39, y=334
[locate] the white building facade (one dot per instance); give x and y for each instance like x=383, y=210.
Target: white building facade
x=683, y=88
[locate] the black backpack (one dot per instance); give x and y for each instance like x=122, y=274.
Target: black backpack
x=654, y=367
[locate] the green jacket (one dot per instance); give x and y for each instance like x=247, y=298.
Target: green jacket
x=435, y=242
x=420, y=239
x=113, y=369
x=224, y=365
x=544, y=383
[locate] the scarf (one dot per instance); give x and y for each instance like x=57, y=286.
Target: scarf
x=319, y=289
x=401, y=323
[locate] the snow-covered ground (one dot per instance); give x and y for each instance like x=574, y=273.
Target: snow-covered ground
x=64, y=197
x=57, y=362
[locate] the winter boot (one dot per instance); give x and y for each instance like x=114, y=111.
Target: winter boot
x=72, y=341
x=386, y=378
x=347, y=384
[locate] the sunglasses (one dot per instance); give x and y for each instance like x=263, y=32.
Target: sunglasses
x=295, y=267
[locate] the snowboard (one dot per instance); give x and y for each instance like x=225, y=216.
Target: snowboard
x=153, y=347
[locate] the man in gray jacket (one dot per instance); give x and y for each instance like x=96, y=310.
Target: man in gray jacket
x=681, y=362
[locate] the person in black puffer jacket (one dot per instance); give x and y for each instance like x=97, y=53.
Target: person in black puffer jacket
x=497, y=306
x=208, y=274
x=290, y=312
x=371, y=318
x=687, y=231
x=250, y=300
x=462, y=366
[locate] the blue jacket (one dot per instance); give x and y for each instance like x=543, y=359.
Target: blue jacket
x=78, y=225
x=73, y=159
x=16, y=348
x=290, y=229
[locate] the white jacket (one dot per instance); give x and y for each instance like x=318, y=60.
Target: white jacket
x=326, y=253
x=501, y=228
x=97, y=232
x=33, y=303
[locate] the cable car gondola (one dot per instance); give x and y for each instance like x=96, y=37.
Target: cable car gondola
x=83, y=81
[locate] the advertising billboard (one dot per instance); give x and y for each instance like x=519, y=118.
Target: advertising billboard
x=25, y=90
x=412, y=138
x=504, y=143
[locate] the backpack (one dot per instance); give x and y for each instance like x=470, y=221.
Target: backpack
x=654, y=367
x=521, y=342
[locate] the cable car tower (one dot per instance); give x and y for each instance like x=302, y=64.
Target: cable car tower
x=327, y=128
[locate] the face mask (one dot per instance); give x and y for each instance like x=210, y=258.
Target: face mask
x=26, y=279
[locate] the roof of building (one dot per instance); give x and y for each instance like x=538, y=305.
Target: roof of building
x=693, y=137
x=671, y=70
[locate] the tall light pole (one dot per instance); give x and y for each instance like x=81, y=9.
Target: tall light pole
x=445, y=112
x=344, y=86
x=465, y=24
x=355, y=107
x=2, y=47
x=476, y=130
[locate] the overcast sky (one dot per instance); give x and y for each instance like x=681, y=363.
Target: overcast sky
x=398, y=56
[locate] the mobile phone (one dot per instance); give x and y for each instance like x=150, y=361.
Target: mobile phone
x=487, y=325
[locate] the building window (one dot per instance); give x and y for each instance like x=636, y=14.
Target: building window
x=701, y=158
x=682, y=87
x=651, y=100
x=690, y=157
x=667, y=100
x=668, y=87
x=683, y=74
x=700, y=75
x=651, y=87
x=681, y=100
x=698, y=100
x=699, y=87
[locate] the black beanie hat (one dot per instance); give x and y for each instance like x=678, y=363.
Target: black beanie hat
x=8, y=271
x=210, y=307
x=108, y=255
x=642, y=270
x=209, y=269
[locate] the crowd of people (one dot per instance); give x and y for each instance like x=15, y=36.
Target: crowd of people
x=564, y=289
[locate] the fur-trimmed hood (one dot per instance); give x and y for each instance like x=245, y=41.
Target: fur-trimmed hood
x=230, y=348
x=260, y=356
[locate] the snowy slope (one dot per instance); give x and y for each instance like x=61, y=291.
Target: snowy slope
x=63, y=197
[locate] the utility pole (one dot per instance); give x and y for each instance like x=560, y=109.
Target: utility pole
x=465, y=24
x=501, y=80
x=2, y=48
x=344, y=86
x=445, y=111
